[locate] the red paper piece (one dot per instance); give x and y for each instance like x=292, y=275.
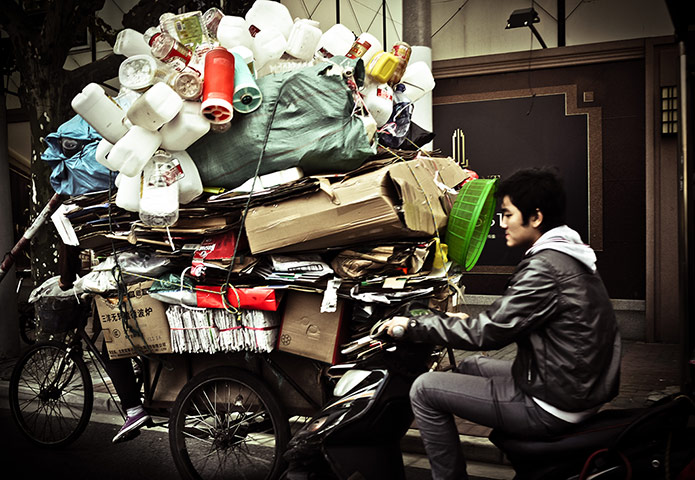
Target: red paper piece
x=250, y=298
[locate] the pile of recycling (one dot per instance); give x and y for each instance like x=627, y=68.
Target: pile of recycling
x=269, y=188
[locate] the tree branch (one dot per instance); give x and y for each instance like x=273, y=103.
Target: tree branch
x=147, y=12
x=13, y=20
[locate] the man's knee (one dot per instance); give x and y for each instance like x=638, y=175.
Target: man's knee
x=418, y=390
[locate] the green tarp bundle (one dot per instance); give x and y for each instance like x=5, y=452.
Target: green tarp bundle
x=308, y=117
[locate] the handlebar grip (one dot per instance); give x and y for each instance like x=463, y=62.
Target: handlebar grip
x=398, y=331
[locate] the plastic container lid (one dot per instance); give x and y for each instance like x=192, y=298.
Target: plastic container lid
x=469, y=221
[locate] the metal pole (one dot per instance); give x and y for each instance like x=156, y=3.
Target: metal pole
x=48, y=210
x=337, y=11
x=9, y=323
x=537, y=35
x=687, y=226
x=383, y=23
x=417, y=32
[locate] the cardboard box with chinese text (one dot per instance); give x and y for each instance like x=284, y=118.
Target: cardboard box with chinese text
x=147, y=314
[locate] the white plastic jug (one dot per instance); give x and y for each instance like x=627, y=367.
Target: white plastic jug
x=337, y=40
x=418, y=80
x=185, y=129
x=303, y=39
x=234, y=31
x=130, y=42
x=157, y=106
x=364, y=47
x=128, y=194
x=190, y=184
x=265, y=14
x=379, y=102
x=134, y=150
x=101, y=112
x=159, y=202
x=141, y=71
x=102, y=154
x=268, y=45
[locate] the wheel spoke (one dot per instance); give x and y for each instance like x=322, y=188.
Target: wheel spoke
x=50, y=395
x=240, y=438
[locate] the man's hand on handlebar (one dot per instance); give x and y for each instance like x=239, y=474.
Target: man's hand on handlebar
x=397, y=326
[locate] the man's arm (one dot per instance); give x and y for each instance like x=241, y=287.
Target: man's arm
x=529, y=301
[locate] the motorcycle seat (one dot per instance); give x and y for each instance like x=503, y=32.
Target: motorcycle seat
x=600, y=429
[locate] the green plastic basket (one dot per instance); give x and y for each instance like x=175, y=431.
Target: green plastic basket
x=469, y=221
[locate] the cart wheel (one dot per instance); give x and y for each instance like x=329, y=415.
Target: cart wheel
x=226, y=423
x=51, y=395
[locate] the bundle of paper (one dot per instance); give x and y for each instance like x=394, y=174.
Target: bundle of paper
x=306, y=269
x=200, y=330
x=192, y=330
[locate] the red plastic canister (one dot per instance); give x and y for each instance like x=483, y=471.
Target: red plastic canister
x=218, y=86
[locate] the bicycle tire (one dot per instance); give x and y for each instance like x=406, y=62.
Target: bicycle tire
x=28, y=328
x=50, y=414
x=226, y=423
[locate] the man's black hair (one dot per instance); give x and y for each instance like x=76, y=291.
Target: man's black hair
x=536, y=188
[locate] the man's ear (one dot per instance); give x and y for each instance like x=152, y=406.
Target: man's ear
x=536, y=219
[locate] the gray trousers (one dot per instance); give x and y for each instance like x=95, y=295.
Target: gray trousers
x=482, y=392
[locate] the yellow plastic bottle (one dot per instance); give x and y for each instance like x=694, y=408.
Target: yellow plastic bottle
x=381, y=66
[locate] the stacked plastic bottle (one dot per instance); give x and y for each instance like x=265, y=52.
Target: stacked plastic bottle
x=189, y=74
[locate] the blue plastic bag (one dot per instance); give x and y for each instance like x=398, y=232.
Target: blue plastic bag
x=71, y=153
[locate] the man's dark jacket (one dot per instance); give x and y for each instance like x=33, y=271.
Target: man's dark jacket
x=559, y=314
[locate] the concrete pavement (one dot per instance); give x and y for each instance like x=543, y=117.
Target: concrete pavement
x=649, y=372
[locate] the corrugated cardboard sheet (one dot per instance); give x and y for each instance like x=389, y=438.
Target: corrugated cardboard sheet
x=404, y=199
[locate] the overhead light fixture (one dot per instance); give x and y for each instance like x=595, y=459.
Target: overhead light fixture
x=525, y=17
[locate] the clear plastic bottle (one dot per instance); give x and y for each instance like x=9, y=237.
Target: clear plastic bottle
x=401, y=50
x=188, y=28
x=130, y=42
x=159, y=203
x=365, y=47
x=167, y=49
x=211, y=19
x=138, y=72
x=398, y=125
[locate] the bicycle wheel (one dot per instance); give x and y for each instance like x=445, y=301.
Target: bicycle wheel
x=226, y=423
x=51, y=395
x=28, y=327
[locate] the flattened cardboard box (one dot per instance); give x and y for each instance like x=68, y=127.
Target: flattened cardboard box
x=395, y=201
x=307, y=332
x=150, y=318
